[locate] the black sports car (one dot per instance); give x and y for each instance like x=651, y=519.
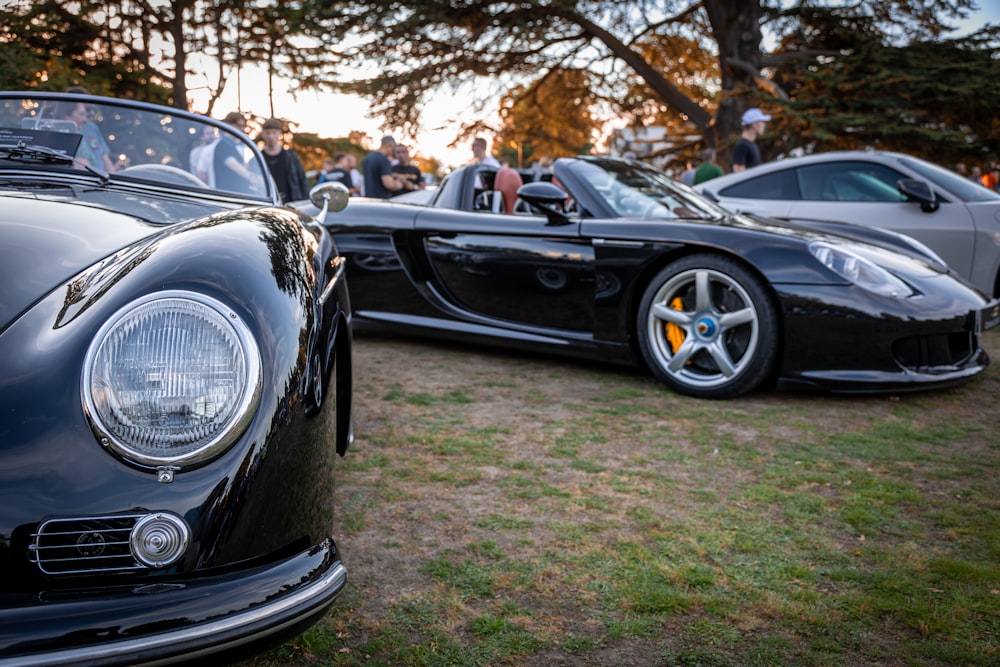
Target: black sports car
x=611, y=260
x=175, y=384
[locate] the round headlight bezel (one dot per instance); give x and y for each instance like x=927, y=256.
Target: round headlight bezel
x=229, y=428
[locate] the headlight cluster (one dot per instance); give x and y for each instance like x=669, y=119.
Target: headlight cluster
x=172, y=379
x=859, y=271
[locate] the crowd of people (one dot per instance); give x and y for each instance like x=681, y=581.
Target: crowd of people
x=387, y=171
x=988, y=174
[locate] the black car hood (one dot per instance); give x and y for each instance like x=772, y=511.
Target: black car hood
x=45, y=239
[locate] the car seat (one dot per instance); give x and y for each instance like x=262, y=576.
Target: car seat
x=507, y=183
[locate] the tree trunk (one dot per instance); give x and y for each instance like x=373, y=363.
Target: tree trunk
x=176, y=30
x=736, y=27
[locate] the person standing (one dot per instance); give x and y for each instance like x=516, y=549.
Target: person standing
x=709, y=168
x=202, y=156
x=687, y=176
x=479, y=155
x=991, y=176
x=357, y=180
x=339, y=171
x=284, y=164
x=93, y=138
x=231, y=171
x=377, y=169
x=403, y=170
x=86, y=153
x=746, y=152
x=326, y=169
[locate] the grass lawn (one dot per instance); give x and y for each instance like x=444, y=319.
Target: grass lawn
x=506, y=509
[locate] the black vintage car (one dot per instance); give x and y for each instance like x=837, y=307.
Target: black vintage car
x=608, y=259
x=175, y=385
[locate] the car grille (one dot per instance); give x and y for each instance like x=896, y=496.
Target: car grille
x=85, y=545
x=925, y=353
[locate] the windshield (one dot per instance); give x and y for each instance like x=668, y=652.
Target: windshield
x=129, y=141
x=632, y=189
x=963, y=188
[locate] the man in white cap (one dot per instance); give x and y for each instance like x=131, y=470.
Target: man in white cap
x=746, y=153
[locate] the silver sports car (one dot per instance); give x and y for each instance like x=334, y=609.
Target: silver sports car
x=955, y=217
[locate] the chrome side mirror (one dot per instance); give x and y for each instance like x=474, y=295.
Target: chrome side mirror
x=329, y=196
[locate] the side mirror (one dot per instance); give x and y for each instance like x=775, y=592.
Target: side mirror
x=921, y=191
x=329, y=196
x=547, y=197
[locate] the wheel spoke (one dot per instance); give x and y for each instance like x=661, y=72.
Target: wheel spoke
x=721, y=357
x=740, y=317
x=662, y=311
x=683, y=354
x=703, y=292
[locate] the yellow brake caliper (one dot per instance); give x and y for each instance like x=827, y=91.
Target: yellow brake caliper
x=675, y=335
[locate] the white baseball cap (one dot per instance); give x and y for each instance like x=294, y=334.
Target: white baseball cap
x=752, y=115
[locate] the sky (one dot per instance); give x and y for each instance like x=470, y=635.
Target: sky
x=336, y=115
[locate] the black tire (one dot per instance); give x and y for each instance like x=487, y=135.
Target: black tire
x=708, y=327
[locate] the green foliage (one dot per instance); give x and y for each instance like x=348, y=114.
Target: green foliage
x=84, y=56
x=876, y=73
x=146, y=51
x=927, y=98
x=547, y=119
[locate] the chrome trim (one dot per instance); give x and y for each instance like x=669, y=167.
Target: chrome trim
x=339, y=266
x=619, y=243
x=53, y=536
x=112, y=651
x=176, y=550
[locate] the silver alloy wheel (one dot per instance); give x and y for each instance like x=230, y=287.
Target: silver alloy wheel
x=721, y=328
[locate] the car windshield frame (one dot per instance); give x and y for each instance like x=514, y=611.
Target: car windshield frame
x=634, y=189
x=146, y=144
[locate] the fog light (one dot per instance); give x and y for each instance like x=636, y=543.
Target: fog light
x=159, y=540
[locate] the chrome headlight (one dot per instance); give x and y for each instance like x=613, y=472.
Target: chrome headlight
x=858, y=270
x=172, y=379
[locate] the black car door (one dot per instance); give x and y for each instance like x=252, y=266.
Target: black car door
x=509, y=270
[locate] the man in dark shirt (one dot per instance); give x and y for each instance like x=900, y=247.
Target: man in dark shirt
x=379, y=181
x=406, y=173
x=746, y=152
x=339, y=172
x=284, y=164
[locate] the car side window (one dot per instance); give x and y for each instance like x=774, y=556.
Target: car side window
x=849, y=181
x=775, y=185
